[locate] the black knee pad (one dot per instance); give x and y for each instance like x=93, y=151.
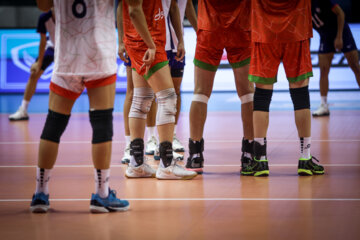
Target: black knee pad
x=300, y=98
x=102, y=125
x=54, y=126
x=262, y=99
x=177, y=72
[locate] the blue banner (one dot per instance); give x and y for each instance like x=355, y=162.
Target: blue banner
x=19, y=50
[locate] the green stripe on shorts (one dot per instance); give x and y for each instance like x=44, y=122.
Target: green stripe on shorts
x=155, y=68
x=262, y=80
x=205, y=66
x=301, y=77
x=241, y=63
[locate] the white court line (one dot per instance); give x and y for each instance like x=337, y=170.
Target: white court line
x=194, y=199
x=208, y=141
x=209, y=165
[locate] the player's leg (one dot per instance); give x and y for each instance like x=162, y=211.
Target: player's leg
x=351, y=52
x=239, y=52
x=160, y=81
x=101, y=95
x=141, y=103
x=209, y=50
x=245, y=90
x=127, y=105
x=298, y=68
x=353, y=61
x=324, y=64
x=56, y=122
x=35, y=74
x=177, y=72
x=265, y=59
x=151, y=143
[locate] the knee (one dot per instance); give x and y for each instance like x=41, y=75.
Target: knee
x=141, y=102
x=300, y=98
x=102, y=124
x=166, y=111
x=54, y=126
x=262, y=99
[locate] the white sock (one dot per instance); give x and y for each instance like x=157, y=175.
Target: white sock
x=42, y=180
x=133, y=163
x=262, y=141
x=102, y=182
x=24, y=105
x=323, y=100
x=127, y=140
x=151, y=131
x=175, y=129
x=305, y=144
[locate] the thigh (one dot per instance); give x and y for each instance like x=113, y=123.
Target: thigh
x=209, y=49
x=264, y=62
x=102, y=97
x=325, y=60
x=101, y=92
x=161, y=79
x=204, y=81
x=238, y=47
x=60, y=104
x=297, y=60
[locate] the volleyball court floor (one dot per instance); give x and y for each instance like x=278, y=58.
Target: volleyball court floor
x=220, y=204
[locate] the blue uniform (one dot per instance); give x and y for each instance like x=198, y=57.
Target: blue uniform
x=45, y=22
x=325, y=23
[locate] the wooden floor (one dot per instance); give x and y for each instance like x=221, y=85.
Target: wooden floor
x=220, y=204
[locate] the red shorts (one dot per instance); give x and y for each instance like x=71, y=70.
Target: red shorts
x=266, y=57
x=136, y=56
x=210, y=46
x=71, y=87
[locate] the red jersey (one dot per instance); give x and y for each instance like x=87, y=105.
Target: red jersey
x=280, y=20
x=216, y=14
x=155, y=20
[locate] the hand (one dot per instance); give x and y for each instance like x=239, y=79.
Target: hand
x=338, y=44
x=180, y=52
x=35, y=67
x=122, y=53
x=148, y=59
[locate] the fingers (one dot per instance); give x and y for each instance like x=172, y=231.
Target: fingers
x=123, y=55
x=180, y=55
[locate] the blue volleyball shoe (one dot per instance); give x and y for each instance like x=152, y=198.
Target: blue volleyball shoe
x=109, y=204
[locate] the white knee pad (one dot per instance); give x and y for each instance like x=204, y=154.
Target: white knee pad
x=166, y=111
x=247, y=98
x=200, y=98
x=141, y=102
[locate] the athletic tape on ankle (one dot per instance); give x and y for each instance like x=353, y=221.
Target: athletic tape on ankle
x=166, y=111
x=200, y=98
x=247, y=98
x=141, y=103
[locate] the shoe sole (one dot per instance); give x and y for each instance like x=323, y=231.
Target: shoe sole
x=97, y=209
x=151, y=176
x=150, y=153
x=321, y=115
x=179, y=150
x=264, y=173
x=176, y=178
x=19, y=119
x=39, y=209
x=305, y=172
x=125, y=161
x=197, y=170
x=247, y=173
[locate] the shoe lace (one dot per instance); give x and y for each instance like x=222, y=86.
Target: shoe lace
x=112, y=192
x=312, y=157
